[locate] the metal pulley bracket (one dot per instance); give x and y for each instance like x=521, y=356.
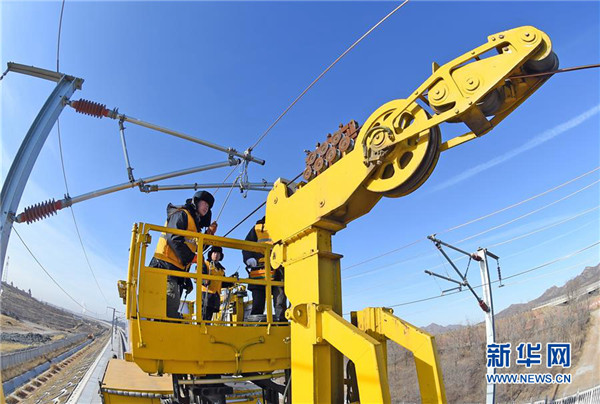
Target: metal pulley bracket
x=474, y=86
x=374, y=139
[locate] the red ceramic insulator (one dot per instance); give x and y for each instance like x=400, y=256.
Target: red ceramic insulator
x=90, y=108
x=39, y=211
x=484, y=306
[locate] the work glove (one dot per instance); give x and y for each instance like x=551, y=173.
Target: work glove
x=188, y=286
x=236, y=275
x=212, y=229
x=251, y=262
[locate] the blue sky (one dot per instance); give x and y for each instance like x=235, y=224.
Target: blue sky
x=224, y=72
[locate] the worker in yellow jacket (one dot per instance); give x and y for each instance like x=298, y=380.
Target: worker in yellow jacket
x=211, y=289
x=177, y=252
x=256, y=270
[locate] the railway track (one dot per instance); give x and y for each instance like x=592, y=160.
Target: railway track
x=57, y=383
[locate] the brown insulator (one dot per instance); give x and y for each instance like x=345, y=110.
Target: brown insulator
x=322, y=149
x=320, y=165
x=310, y=159
x=332, y=155
x=90, y=108
x=354, y=129
x=335, y=139
x=308, y=174
x=346, y=144
x=39, y=211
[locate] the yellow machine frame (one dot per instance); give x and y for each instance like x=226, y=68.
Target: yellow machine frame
x=351, y=187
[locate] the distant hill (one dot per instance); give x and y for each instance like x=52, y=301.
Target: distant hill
x=587, y=277
x=21, y=306
x=436, y=329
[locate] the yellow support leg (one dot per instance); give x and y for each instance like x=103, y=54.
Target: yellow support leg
x=366, y=352
x=312, y=276
x=380, y=323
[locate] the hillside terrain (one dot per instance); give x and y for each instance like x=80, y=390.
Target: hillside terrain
x=462, y=349
x=26, y=321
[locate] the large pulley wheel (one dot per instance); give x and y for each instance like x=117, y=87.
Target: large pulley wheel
x=410, y=163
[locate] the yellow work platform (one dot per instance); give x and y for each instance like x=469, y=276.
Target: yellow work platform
x=125, y=382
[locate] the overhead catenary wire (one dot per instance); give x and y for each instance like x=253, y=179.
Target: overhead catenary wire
x=423, y=255
x=323, y=73
x=527, y=214
x=46, y=271
x=254, y=211
x=514, y=205
x=446, y=304
x=266, y=132
x=62, y=162
x=564, y=257
x=537, y=230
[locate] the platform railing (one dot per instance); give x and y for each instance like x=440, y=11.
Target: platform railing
x=146, y=297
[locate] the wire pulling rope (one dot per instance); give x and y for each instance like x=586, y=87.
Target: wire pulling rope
x=225, y=179
x=255, y=210
x=566, y=69
x=323, y=73
x=227, y=198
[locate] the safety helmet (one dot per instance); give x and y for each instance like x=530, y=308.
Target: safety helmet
x=204, y=196
x=216, y=249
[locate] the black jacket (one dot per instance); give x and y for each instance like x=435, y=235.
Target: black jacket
x=251, y=236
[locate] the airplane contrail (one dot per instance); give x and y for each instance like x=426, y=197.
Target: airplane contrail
x=536, y=141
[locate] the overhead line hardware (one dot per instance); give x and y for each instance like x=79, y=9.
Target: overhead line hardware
x=475, y=220
x=545, y=264
x=99, y=110
x=252, y=186
x=45, y=209
x=125, y=153
x=463, y=277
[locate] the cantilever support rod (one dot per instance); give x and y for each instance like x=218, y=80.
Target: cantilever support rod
x=45, y=209
x=99, y=110
x=251, y=186
x=125, y=153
